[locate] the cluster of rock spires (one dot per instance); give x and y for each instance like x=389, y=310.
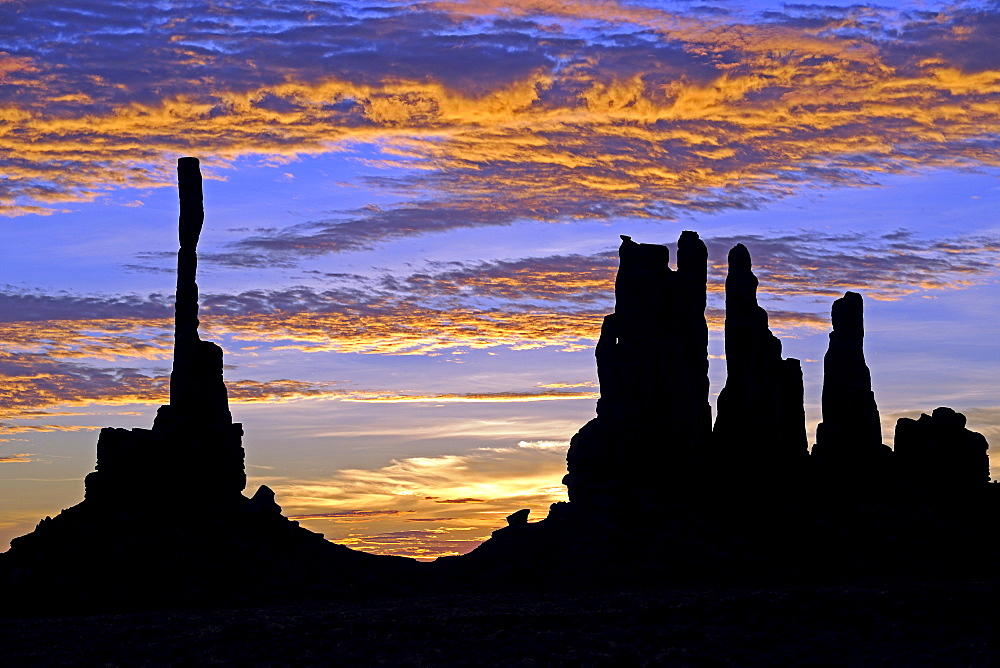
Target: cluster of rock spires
x=653, y=435
x=653, y=418
x=657, y=492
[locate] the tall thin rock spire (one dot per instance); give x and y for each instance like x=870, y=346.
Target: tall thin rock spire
x=760, y=428
x=849, y=439
x=191, y=219
x=198, y=396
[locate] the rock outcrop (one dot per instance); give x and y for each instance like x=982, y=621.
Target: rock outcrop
x=198, y=397
x=937, y=454
x=849, y=439
x=760, y=431
x=653, y=418
x=653, y=501
x=197, y=423
x=164, y=521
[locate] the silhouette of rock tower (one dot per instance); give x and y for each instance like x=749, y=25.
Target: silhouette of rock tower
x=760, y=432
x=653, y=418
x=164, y=518
x=849, y=445
x=196, y=425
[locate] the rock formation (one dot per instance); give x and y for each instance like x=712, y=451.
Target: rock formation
x=197, y=391
x=849, y=439
x=760, y=431
x=653, y=418
x=653, y=501
x=936, y=453
x=197, y=422
x=164, y=520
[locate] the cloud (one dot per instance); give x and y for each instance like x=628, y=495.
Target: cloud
x=587, y=110
x=423, y=544
x=352, y=515
x=21, y=458
x=31, y=385
x=884, y=266
x=805, y=262
x=466, y=495
x=71, y=350
x=583, y=279
x=22, y=306
x=467, y=397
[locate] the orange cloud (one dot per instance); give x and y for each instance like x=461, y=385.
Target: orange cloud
x=648, y=113
x=472, y=397
x=21, y=458
x=49, y=358
x=460, y=499
x=352, y=515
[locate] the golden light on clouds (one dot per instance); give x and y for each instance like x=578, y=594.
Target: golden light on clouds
x=116, y=349
x=430, y=506
x=493, y=120
x=697, y=106
x=21, y=458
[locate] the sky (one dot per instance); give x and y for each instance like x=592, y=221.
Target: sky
x=413, y=211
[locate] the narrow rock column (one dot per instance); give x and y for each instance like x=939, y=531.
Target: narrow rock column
x=198, y=396
x=849, y=440
x=191, y=220
x=197, y=420
x=760, y=427
x=692, y=273
x=850, y=415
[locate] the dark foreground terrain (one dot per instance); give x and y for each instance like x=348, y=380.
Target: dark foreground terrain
x=948, y=624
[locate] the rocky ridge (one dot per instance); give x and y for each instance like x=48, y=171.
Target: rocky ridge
x=658, y=495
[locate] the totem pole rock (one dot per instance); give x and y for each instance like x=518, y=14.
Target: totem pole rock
x=164, y=520
x=198, y=395
x=196, y=423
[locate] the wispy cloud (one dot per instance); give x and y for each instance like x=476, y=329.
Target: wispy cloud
x=469, y=397
x=352, y=515
x=69, y=350
x=21, y=458
x=33, y=385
